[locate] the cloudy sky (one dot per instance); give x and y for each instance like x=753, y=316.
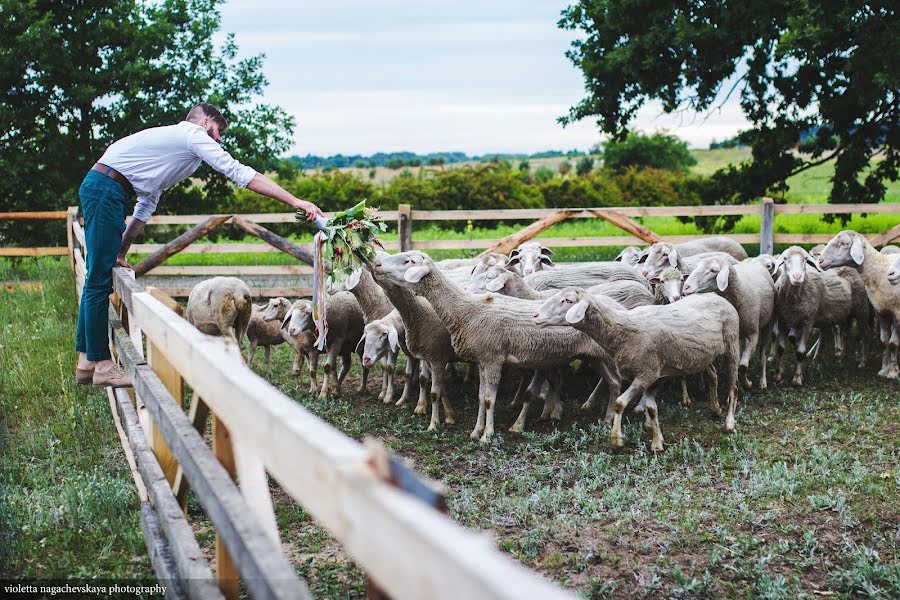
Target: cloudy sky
x=477, y=76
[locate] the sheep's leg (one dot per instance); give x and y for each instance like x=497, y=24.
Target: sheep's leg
x=748, y=348
x=838, y=341
x=713, y=390
x=328, y=373
x=592, y=399
x=346, y=368
x=251, y=352
x=298, y=364
x=614, y=385
x=531, y=392
x=424, y=376
x=520, y=391
x=388, y=366
x=685, y=397
x=653, y=416
x=491, y=378
x=634, y=391
x=862, y=334
x=885, y=330
x=268, y=354
x=438, y=373
x=552, y=403
x=556, y=413
x=780, y=352
x=412, y=373
x=801, y=353
x=480, y=421
x=765, y=339
x=893, y=371
x=470, y=373
x=313, y=359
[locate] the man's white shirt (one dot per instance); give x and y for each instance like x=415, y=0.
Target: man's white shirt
x=157, y=158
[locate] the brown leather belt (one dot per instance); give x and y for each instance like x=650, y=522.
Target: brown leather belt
x=114, y=175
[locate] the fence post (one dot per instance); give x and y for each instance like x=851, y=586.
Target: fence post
x=767, y=226
x=404, y=227
x=71, y=213
x=226, y=570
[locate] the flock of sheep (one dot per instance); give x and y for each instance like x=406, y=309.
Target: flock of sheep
x=700, y=309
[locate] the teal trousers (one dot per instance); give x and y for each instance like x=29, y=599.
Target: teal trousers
x=103, y=205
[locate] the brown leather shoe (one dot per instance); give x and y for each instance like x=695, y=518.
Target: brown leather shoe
x=84, y=376
x=116, y=377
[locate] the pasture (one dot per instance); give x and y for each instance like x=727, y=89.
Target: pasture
x=801, y=501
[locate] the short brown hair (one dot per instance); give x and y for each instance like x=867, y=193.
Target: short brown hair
x=204, y=109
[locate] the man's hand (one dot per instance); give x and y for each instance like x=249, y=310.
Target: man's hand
x=122, y=262
x=312, y=211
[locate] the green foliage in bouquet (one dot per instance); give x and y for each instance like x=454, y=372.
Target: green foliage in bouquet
x=351, y=237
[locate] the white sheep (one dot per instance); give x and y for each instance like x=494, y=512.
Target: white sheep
x=749, y=288
x=530, y=257
x=893, y=273
x=381, y=341
x=662, y=254
x=220, y=306
x=266, y=332
x=583, y=275
x=649, y=343
x=890, y=249
x=630, y=255
x=849, y=248
x=303, y=343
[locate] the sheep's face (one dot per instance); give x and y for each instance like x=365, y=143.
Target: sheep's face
x=672, y=281
x=795, y=261
x=405, y=269
x=846, y=248
x=528, y=259
x=497, y=279
x=276, y=309
x=629, y=256
x=709, y=275
x=893, y=273
x=816, y=251
x=378, y=339
x=487, y=261
x=298, y=319
x=660, y=256
x=566, y=307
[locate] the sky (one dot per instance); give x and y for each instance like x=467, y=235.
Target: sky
x=476, y=76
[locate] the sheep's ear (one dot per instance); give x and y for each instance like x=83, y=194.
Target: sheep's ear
x=513, y=261
x=813, y=263
x=546, y=260
x=673, y=258
x=619, y=257
x=546, y=251
x=287, y=319
x=353, y=279
x=577, y=312
x=722, y=279
x=393, y=338
x=415, y=274
x=856, y=250
x=361, y=345
x=643, y=257
x=514, y=253
x=495, y=284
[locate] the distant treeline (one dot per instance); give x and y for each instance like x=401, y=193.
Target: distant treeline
x=397, y=160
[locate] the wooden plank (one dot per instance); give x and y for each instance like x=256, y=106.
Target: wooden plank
x=235, y=270
x=507, y=244
x=275, y=240
x=41, y=251
x=766, y=227
x=71, y=214
x=404, y=227
x=21, y=286
x=126, y=447
x=889, y=236
x=179, y=243
x=125, y=286
x=266, y=572
x=78, y=232
x=813, y=238
x=254, y=484
x=239, y=248
x=226, y=570
x=197, y=415
x=263, y=218
x=161, y=295
x=628, y=225
x=292, y=292
x=190, y=563
x=160, y=554
x=34, y=215
x=410, y=550
x=171, y=379
x=836, y=209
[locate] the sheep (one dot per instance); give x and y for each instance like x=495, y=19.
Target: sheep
x=530, y=257
x=266, y=332
x=345, y=327
x=853, y=249
x=382, y=340
x=492, y=331
x=220, y=306
x=661, y=254
x=488, y=260
x=805, y=298
x=767, y=261
x=668, y=286
x=630, y=255
x=749, y=288
x=889, y=250
x=649, y=343
x=816, y=251
x=893, y=273
x=303, y=343
x=583, y=275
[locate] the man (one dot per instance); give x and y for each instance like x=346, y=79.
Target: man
x=144, y=164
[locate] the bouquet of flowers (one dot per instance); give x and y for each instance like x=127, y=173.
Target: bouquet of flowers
x=348, y=239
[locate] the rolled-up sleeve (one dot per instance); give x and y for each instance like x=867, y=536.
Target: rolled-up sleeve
x=210, y=152
x=146, y=206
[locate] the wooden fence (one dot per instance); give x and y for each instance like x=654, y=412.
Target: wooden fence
x=381, y=512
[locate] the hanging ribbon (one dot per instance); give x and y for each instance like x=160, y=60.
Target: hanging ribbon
x=319, y=295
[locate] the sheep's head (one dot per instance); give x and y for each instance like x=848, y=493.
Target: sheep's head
x=893, y=273
x=566, y=307
x=276, y=309
x=816, y=251
x=767, y=261
x=299, y=318
x=846, y=248
x=658, y=257
x=496, y=279
x=405, y=269
x=795, y=260
x=710, y=274
x=377, y=340
x=529, y=258
x=487, y=261
x=672, y=281
x=629, y=256
x=476, y=284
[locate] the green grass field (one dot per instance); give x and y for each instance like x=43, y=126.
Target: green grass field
x=800, y=502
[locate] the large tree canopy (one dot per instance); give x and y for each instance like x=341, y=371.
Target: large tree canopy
x=817, y=79
x=75, y=76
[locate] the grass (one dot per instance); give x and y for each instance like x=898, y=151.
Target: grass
x=800, y=501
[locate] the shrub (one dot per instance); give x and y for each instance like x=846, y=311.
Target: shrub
x=584, y=166
x=564, y=167
x=658, y=151
x=543, y=174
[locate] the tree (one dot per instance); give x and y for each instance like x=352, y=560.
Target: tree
x=564, y=167
x=75, y=76
x=828, y=67
x=657, y=151
x=584, y=165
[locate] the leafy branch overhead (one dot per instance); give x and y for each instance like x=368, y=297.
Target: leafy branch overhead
x=817, y=80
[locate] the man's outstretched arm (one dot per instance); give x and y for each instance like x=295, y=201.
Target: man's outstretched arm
x=265, y=186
